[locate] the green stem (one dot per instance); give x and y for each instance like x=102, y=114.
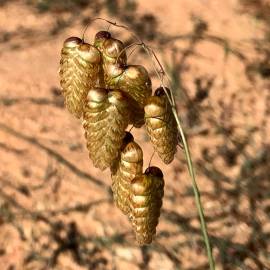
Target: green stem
x=196, y=191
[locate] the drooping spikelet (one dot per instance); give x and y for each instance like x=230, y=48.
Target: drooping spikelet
x=105, y=119
x=128, y=167
x=113, y=55
x=112, y=49
x=79, y=70
x=114, y=63
x=146, y=201
x=161, y=125
x=134, y=81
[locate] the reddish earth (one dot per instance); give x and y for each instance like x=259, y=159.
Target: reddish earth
x=56, y=210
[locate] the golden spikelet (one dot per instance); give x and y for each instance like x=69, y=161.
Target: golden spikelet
x=114, y=52
x=112, y=49
x=146, y=201
x=79, y=71
x=113, y=55
x=135, y=81
x=161, y=125
x=105, y=119
x=129, y=166
x=114, y=61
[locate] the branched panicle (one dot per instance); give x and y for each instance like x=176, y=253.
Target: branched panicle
x=120, y=94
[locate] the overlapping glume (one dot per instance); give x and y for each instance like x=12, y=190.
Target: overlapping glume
x=161, y=126
x=133, y=80
x=105, y=119
x=113, y=55
x=146, y=201
x=112, y=49
x=79, y=71
x=129, y=166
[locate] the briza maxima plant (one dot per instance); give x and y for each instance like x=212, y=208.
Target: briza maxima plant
x=113, y=94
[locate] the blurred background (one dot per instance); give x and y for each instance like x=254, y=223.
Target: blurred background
x=56, y=209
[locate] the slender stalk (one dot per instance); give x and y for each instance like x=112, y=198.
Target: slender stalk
x=196, y=192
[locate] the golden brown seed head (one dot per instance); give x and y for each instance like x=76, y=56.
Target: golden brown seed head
x=146, y=201
x=129, y=166
x=134, y=81
x=79, y=71
x=106, y=117
x=161, y=125
x=114, y=57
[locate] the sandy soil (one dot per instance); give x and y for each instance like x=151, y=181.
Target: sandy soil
x=56, y=209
